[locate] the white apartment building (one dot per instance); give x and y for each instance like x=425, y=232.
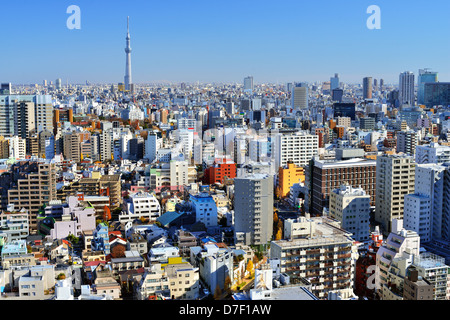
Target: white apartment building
x=432, y=153
x=17, y=147
x=351, y=206
x=141, y=204
x=299, y=147
x=153, y=282
x=14, y=225
x=151, y=147
x=399, y=243
x=418, y=214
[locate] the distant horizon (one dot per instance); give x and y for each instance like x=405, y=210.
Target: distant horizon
x=213, y=42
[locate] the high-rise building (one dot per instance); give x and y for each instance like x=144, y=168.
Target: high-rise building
x=253, y=209
x=287, y=177
x=406, y=88
x=367, y=88
x=127, y=79
x=425, y=76
x=407, y=141
x=395, y=179
x=344, y=110
x=334, y=82
x=437, y=94
x=298, y=147
x=58, y=84
x=299, y=96
x=248, y=83
x=16, y=112
x=33, y=185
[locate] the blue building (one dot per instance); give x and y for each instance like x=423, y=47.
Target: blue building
x=205, y=209
x=100, y=241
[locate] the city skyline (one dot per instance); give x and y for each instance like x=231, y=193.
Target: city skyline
x=213, y=42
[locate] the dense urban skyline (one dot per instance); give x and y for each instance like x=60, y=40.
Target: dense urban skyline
x=223, y=42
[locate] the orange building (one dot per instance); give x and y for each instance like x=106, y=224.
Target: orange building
x=220, y=169
x=287, y=177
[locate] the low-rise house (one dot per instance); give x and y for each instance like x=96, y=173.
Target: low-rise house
x=161, y=254
x=105, y=283
x=153, y=283
x=132, y=261
x=184, y=281
x=60, y=251
x=137, y=242
x=184, y=240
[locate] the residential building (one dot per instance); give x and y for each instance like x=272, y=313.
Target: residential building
x=141, y=205
x=395, y=179
x=33, y=184
x=253, y=209
x=298, y=147
x=326, y=258
x=351, y=207
x=406, y=88
x=432, y=153
x=407, y=142
x=184, y=281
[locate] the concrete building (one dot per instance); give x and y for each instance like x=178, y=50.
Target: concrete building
x=215, y=265
x=418, y=214
x=33, y=185
x=287, y=177
x=433, y=268
x=415, y=287
x=141, y=205
x=325, y=257
x=432, y=153
x=205, y=208
x=400, y=243
x=14, y=224
x=324, y=176
x=299, y=147
x=299, y=96
x=395, y=179
x=407, y=142
x=253, y=209
x=406, y=88
x=351, y=207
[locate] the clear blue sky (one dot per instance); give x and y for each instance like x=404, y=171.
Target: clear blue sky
x=223, y=41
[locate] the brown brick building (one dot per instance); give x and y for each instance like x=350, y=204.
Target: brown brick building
x=326, y=175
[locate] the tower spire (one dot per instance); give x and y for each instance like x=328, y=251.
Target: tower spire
x=128, y=82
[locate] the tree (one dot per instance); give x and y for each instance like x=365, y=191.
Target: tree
x=227, y=284
x=217, y=293
x=250, y=266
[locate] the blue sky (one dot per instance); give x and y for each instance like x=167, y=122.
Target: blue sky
x=223, y=41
